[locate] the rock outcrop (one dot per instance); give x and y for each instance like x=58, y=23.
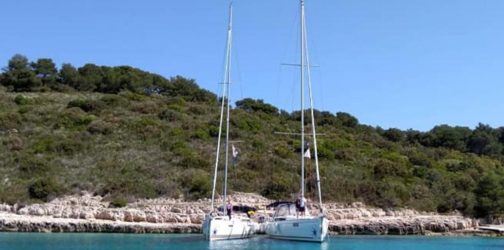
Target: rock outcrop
x=87, y=213
x=356, y=218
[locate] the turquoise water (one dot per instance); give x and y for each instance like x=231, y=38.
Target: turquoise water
x=25, y=241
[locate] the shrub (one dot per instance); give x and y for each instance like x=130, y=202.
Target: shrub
x=87, y=105
x=9, y=120
x=197, y=184
x=199, y=187
x=384, y=168
x=282, y=151
x=114, y=101
x=56, y=144
x=279, y=187
x=194, y=161
x=117, y=202
x=145, y=107
x=168, y=187
x=170, y=115
x=100, y=127
x=31, y=165
x=22, y=100
x=13, y=192
x=197, y=110
x=132, y=96
x=201, y=134
x=119, y=178
x=43, y=188
x=246, y=123
x=14, y=143
x=213, y=131
x=146, y=127
x=25, y=109
x=74, y=119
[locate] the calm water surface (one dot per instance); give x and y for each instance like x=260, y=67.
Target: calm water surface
x=25, y=241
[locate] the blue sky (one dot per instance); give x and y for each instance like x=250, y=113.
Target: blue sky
x=392, y=63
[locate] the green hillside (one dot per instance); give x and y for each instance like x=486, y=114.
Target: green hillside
x=127, y=133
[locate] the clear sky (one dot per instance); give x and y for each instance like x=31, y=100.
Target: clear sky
x=391, y=63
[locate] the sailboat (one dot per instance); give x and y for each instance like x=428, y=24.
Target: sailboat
x=287, y=223
x=216, y=225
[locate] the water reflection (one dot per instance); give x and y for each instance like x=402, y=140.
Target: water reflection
x=265, y=243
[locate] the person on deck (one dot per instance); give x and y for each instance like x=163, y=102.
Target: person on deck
x=298, y=204
x=229, y=208
x=302, y=205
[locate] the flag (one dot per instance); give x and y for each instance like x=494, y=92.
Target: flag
x=234, y=152
x=307, y=154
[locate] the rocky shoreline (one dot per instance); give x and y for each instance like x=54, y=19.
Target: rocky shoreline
x=87, y=213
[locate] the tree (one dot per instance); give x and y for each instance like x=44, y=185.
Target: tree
x=45, y=68
x=187, y=89
x=347, y=119
x=484, y=141
x=394, y=134
x=110, y=82
x=489, y=196
x=90, y=78
x=251, y=105
x=19, y=75
x=450, y=137
x=18, y=62
x=46, y=71
x=413, y=136
x=69, y=75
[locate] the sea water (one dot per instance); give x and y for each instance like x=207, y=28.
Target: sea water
x=50, y=241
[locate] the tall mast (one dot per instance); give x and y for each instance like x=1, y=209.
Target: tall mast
x=225, y=90
x=302, y=99
x=314, y=132
x=228, y=82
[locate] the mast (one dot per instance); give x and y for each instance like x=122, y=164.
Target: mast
x=305, y=56
x=228, y=82
x=225, y=90
x=314, y=132
x=302, y=100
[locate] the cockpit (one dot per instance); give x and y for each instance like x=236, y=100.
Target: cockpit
x=283, y=210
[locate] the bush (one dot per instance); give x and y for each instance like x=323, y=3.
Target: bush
x=279, y=187
x=118, y=177
x=9, y=120
x=87, y=105
x=282, y=151
x=197, y=184
x=14, y=143
x=44, y=188
x=114, y=101
x=22, y=100
x=132, y=96
x=195, y=161
x=170, y=115
x=201, y=134
x=100, y=127
x=74, y=119
x=197, y=110
x=31, y=165
x=145, y=107
x=56, y=144
x=118, y=202
x=13, y=192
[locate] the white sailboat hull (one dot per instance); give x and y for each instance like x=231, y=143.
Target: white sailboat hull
x=222, y=228
x=301, y=229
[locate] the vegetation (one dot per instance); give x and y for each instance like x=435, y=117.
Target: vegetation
x=126, y=133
